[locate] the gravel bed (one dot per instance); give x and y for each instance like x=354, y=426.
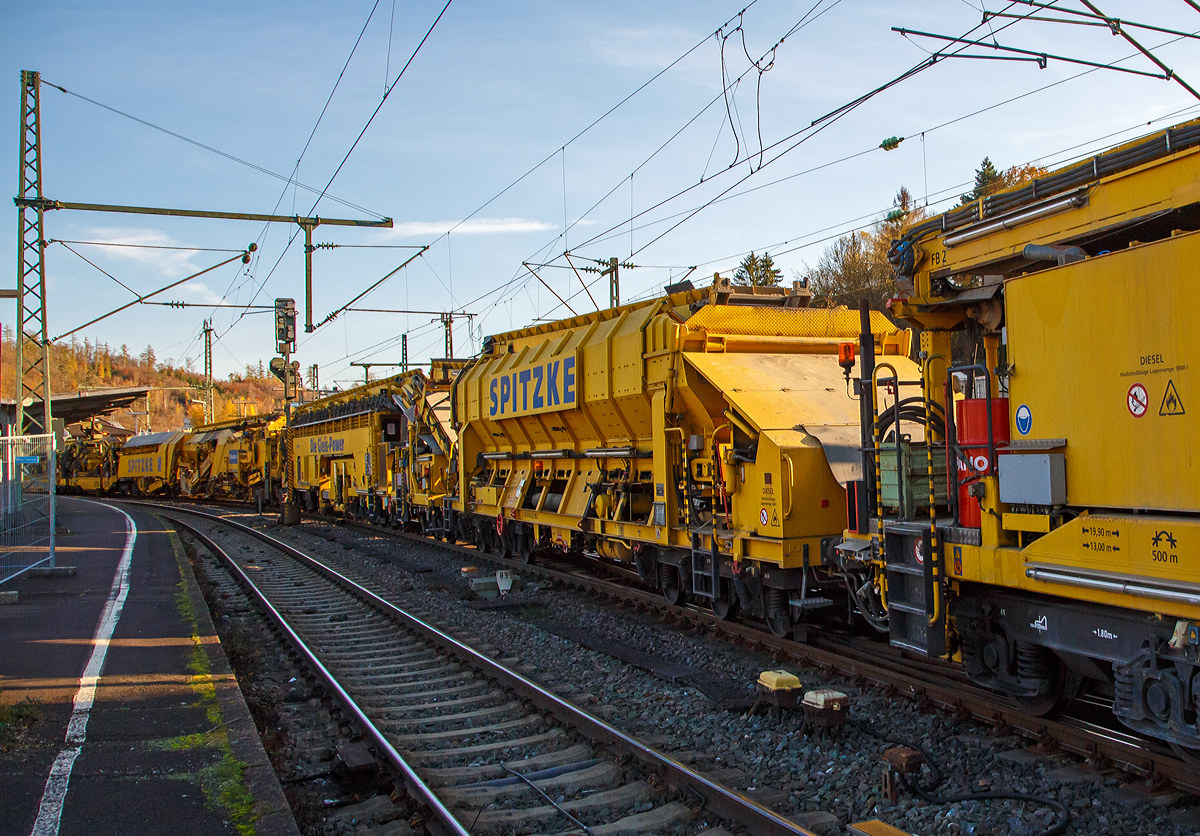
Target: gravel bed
x=837, y=773
x=299, y=725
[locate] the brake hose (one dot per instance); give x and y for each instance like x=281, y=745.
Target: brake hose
x=926, y=794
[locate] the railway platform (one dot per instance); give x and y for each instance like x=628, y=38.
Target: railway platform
x=142, y=728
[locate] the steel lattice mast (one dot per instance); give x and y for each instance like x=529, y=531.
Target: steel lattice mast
x=33, y=350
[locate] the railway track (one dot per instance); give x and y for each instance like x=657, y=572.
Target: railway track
x=1103, y=744
x=481, y=748
x=1081, y=732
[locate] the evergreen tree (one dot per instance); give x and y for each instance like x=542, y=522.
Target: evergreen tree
x=987, y=181
x=757, y=271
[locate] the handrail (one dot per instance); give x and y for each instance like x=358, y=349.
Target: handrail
x=935, y=616
x=791, y=484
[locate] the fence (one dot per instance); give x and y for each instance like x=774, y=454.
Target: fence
x=27, y=503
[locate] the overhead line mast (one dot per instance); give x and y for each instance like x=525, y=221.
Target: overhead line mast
x=32, y=343
x=307, y=224
x=209, y=411
x=33, y=350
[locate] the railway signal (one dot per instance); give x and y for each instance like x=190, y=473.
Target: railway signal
x=285, y=325
x=288, y=371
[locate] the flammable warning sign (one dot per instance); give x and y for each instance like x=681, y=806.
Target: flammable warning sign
x=1172, y=404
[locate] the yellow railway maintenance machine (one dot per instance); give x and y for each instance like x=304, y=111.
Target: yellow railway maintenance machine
x=1062, y=542
x=425, y=472
x=88, y=464
x=148, y=464
x=341, y=443
x=697, y=438
x=230, y=459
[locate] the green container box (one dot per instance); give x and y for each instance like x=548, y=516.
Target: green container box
x=916, y=477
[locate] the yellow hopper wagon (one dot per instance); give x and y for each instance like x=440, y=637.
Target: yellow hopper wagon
x=1059, y=550
x=425, y=469
x=700, y=439
x=340, y=445
x=148, y=464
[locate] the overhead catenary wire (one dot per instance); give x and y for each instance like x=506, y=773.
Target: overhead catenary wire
x=594, y=123
x=97, y=266
x=731, y=196
x=330, y=317
x=1105, y=21
x=379, y=107
x=296, y=168
x=142, y=298
x=602, y=235
x=146, y=246
x=209, y=148
x=808, y=130
x=719, y=97
x=952, y=191
x=361, y=134
x=509, y=284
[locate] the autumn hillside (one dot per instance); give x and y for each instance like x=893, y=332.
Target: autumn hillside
x=85, y=365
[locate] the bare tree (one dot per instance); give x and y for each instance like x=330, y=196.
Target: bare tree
x=850, y=269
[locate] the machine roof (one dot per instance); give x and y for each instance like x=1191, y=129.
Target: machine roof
x=151, y=439
x=782, y=394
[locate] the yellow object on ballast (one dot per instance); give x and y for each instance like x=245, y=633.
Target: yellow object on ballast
x=826, y=698
x=778, y=681
x=875, y=827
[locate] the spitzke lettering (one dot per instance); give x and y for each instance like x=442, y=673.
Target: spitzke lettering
x=547, y=386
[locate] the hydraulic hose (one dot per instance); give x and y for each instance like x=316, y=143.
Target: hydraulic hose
x=926, y=793
x=913, y=409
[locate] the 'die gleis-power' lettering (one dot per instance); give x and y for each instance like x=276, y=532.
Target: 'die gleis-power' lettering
x=547, y=386
x=326, y=444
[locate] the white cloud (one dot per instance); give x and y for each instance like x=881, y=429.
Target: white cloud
x=193, y=292
x=474, y=226
x=168, y=263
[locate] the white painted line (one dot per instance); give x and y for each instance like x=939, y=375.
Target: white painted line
x=50, y=811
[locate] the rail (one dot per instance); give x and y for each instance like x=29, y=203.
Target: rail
x=719, y=799
x=918, y=679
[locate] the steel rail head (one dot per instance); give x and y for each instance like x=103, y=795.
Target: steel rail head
x=1137, y=755
x=417, y=787
x=1123, y=750
x=718, y=798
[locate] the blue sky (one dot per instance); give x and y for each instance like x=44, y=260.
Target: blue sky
x=497, y=88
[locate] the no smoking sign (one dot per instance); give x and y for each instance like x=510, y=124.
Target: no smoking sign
x=1136, y=400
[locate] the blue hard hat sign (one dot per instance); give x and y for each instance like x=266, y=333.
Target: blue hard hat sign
x=1024, y=419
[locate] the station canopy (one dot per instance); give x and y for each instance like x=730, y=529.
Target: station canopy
x=83, y=405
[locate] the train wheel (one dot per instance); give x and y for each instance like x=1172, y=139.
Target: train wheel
x=1060, y=684
x=779, y=613
x=725, y=605
x=491, y=539
x=672, y=584
x=525, y=543
x=481, y=539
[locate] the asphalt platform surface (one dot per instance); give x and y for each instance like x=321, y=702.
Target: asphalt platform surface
x=167, y=745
